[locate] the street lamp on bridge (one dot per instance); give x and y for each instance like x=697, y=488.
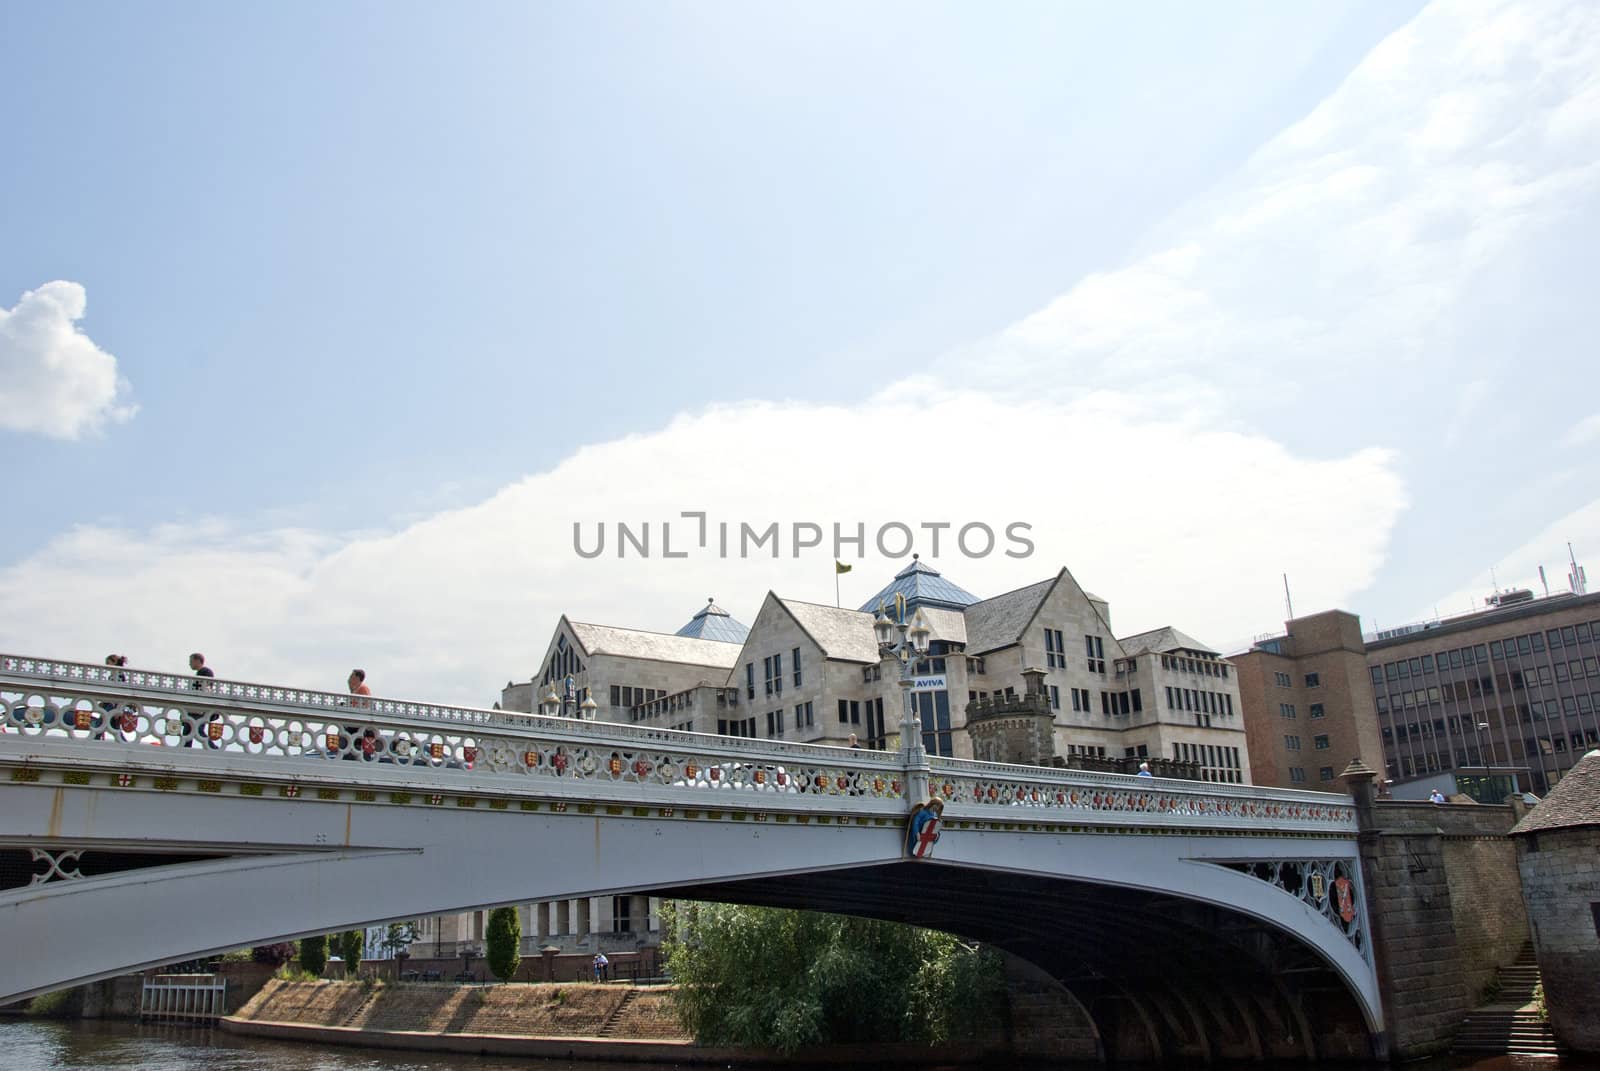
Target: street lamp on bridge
x=552, y=706
x=907, y=643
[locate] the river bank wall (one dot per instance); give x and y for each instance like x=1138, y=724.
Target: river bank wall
x=571, y=1021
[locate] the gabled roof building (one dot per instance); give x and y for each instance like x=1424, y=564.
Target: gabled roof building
x=814, y=673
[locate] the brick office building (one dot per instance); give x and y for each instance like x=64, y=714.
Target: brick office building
x=1308, y=702
x=1501, y=700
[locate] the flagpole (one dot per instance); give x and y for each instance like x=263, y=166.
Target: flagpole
x=835, y=585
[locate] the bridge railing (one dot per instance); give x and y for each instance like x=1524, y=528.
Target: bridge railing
x=1053, y=794
x=287, y=730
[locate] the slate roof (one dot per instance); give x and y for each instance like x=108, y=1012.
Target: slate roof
x=657, y=646
x=998, y=622
x=1162, y=639
x=842, y=634
x=923, y=586
x=712, y=622
x=1574, y=802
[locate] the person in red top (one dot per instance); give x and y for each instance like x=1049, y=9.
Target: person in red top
x=358, y=682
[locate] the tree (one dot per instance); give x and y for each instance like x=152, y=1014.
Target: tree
x=787, y=979
x=350, y=944
x=275, y=954
x=398, y=937
x=314, y=954
x=503, y=942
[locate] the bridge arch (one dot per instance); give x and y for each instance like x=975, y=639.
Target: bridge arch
x=1143, y=897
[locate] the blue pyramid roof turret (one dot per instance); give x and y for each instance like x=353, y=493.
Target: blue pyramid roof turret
x=922, y=585
x=714, y=623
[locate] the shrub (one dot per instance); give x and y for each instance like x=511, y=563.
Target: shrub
x=314, y=955
x=62, y=1004
x=503, y=942
x=275, y=954
x=350, y=942
x=789, y=979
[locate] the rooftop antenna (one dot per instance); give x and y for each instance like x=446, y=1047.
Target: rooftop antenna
x=1545, y=582
x=1576, y=580
x=1287, y=601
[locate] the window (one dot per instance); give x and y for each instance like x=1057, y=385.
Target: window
x=1291, y=743
x=1320, y=742
x=1080, y=699
x=1096, y=652
x=1297, y=774
x=1286, y=710
x=974, y=666
x=1317, y=710
x=1313, y=680
x=1326, y=773
x=777, y=673
x=766, y=672
x=1138, y=705
x=933, y=710
x=795, y=659
x=750, y=680
x=1055, y=649
x=775, y=722
x=849, y=712
x=802, y=716
x=1282, y=680
x=616, y=696
x=1055, y=698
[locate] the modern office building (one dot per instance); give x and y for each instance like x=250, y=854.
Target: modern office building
x=1500, y=700
x=1505, y=697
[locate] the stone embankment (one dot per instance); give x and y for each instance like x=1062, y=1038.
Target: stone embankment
x=569, y=1021
x=599, y=1021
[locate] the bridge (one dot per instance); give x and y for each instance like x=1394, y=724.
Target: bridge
x=150, y=817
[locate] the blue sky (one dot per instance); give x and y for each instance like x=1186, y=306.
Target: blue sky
x=371, y=277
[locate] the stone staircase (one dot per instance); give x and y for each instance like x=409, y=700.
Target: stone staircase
x=1510, y=1024
x=609, y=1027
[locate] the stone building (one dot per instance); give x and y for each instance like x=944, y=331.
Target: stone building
x=1558, y=856
x=814, y=674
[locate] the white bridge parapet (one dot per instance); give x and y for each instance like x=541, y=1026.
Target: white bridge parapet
x=110, y=717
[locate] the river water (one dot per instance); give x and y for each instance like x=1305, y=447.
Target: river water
x=37, y=1045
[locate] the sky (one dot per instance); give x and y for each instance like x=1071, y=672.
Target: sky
x=321, y=326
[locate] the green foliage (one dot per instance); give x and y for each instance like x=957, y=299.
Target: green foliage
x=350, y=945
x=291, y=972
x=502, y=939
x=62, y=1004
x=314, y=954
x=788, y=979
x=398, y=937
x=1538, y=1003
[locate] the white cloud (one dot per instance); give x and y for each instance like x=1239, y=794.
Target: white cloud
x=1518, y=567
x=1342, y=250
x=1116, y=420
x=1166, y=521
x=1583, y=432
x=53, y=379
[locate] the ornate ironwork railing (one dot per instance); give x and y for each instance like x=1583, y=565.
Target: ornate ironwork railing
x=109, y=707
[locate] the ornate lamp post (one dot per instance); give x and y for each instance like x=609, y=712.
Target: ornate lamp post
x=906, y=644
x=552, y=706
